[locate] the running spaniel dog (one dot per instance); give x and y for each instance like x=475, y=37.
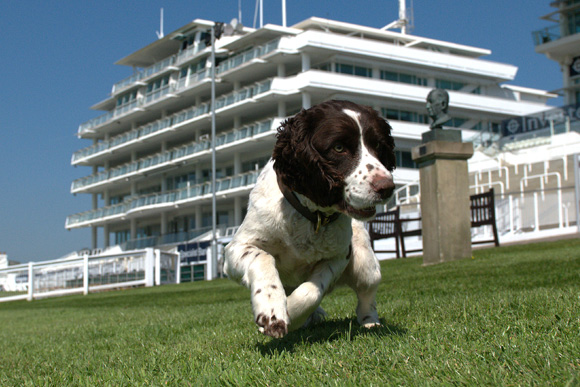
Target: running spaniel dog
x=303, y=234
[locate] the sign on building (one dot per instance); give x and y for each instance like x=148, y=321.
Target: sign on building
x=526, y=124
x=193, y=252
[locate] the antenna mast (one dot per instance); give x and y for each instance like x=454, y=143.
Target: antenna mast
x=160, y=33
x=403, y=21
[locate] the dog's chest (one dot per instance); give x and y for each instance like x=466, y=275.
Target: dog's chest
x=298, y=255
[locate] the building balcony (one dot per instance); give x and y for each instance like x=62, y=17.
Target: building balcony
x=546, y=35
x=178, y=155
x=184, y=83
x=157, y=68
x=247, y=56
x=169, y=123
x=154, y=203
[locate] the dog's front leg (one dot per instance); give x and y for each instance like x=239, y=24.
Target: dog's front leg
x=307, y=297
x=267, y=293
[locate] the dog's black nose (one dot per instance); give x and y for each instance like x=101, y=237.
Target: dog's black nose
x=383, y=185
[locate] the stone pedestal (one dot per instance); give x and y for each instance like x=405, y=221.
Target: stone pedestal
x=442, y=160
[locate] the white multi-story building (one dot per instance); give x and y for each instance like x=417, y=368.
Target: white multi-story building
x=561, y=43
x=150, y=153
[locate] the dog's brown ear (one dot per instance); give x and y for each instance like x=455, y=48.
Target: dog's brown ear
x=299, y=165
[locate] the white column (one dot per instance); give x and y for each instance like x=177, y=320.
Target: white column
x=198, y=217
x=237, y=211
x=281, y=108
x=133, y=228
x=106, y=237
x=30, y=281
x=157, y=254
x=306, y=100
x=305, y=62
x=149, y=267
x=281, y=70
x=163, y=223
x=86, y=274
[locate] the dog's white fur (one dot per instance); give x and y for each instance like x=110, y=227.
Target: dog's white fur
x=289, y=267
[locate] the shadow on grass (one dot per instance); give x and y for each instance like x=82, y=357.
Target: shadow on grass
x=330, y=330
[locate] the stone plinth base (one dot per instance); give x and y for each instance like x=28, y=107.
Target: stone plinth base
x=445, y=204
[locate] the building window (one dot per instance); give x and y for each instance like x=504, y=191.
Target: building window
x=126, y=99
x=403, y=115
x=456, y=122
x=148, y=231
x=192, y=69
x=403, y=78
x=177, y=182
x=359, y=71
x=223, y=219
x=404, y=159
x=448, y=85
x=122, y=236
x=573, y=22
x=256, y=164
x=158, y=84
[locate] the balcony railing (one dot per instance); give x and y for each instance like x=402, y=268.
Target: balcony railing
x=546, y=35
x=180, y=152
x=145, y=73
x=247, y=56
x=181, y=84
x=184, y=115
x=163, y=198
x=243, y=94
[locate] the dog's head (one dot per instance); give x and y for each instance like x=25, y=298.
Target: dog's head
x=338, y=154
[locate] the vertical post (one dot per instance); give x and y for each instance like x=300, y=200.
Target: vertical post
x=209, y=263
x=149, y=267
x=157, y=254
x=177, y=268
x=576, y=159
x=261, y=13
x=511, y=210
x=86, y=274
x=213, y=160
x=536, y=213
x=30, y=281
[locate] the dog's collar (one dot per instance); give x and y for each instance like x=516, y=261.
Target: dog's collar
x=317, y=218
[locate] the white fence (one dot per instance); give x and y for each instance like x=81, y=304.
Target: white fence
x=536, y=211
x=520, y=216
x=86, y=273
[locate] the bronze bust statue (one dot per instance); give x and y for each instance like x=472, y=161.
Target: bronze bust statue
x=437, y=105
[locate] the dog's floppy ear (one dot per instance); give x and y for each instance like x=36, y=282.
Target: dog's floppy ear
x=298, y=163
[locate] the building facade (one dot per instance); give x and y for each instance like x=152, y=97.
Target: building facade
x=561, y=43
x=150, y=157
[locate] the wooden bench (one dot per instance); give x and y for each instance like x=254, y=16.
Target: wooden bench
x=390, y=224
x=483, y=214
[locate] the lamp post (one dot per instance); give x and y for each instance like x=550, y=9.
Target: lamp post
x=217, y=30
x=213, y=161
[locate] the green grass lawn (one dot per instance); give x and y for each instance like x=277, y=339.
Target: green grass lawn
x=510, y=316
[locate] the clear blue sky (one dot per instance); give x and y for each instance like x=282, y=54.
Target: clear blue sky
x=56, y=60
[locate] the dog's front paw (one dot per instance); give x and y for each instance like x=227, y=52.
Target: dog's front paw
x=271, y=314
x=272, y=326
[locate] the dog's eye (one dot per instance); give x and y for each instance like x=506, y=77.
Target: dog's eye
x=338, y=147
